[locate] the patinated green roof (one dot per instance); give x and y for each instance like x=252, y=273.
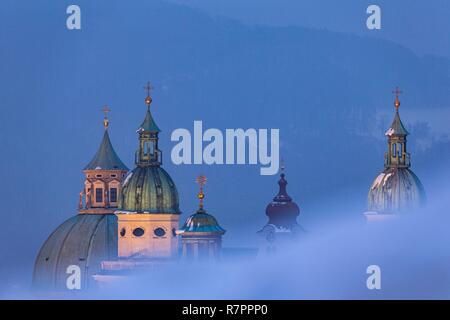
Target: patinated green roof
x=149, y=189
x=397, y=128
x=84, y=240
x=149, y=124
x=106, y=158
x=202, y=222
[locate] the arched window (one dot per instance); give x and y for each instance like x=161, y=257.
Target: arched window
x=394, y=150
x=400, y=150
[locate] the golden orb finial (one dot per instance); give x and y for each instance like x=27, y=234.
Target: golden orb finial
x=148, y=99
x=397, y=92
x=105, y=110
x=201, y=180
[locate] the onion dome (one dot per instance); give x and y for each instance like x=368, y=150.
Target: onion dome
x=148, y=188
x=201, y=223
x=106, y=158
x=84, y=240
x=282, y=211
x=397, y=189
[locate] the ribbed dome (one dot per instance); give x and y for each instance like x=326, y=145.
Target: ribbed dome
x=83, y=240
x=396, y=190
x=149, y=189
x=201, y=222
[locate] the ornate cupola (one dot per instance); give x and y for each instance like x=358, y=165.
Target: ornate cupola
x=201, y=234
x=104, y=174
x=397, y=156
x=148, y=187
x=282, y=213
x=148, y=213
x=148, y=152
x=397, y=189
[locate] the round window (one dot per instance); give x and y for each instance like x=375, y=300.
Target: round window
x=138, y=232
x=123, y=232
x=159, y=232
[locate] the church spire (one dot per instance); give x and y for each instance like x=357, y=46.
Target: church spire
x=106, y=157
x=397, y=156
x=148, y=153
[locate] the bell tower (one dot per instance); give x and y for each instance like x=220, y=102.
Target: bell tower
x=397, y=155
x=104, y=175
x=148, y=152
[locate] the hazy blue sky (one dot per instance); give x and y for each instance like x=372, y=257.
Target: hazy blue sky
x=309, y=69
x=420, y=25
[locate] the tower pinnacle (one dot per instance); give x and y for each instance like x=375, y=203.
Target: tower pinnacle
x=201, y=180
x=148, y=99
x=397, y=92
x=105, y=110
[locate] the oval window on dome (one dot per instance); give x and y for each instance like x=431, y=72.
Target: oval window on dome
x=159, y=232
x=138, y=232
x=123, y=232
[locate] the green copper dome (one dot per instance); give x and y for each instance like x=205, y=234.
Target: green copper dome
x=201, y=222
x=149, y=189
x=84, y=240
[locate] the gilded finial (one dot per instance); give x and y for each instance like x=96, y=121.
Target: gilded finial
x=397, y=92
x=105, y=110
x=201, y=180
x=148, y=99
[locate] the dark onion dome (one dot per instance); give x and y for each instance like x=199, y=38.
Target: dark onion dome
x=149, y=188
x=84, y=240
x=201, y=223
x=397, y=189
x=106, y=158
x=282, y=211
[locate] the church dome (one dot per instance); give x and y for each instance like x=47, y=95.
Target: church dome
x=149, y=189
x=84, y=240
x=396, y=190
x=201, y=222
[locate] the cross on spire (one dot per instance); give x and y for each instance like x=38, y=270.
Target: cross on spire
x=201, y=180
x=149, y=88
x=397, y=92
x=105, y=110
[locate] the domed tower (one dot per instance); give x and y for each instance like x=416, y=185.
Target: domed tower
x=282, y=213
x=201, y=234
x=148, y=212
x=90, y=237
x=397, y=189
